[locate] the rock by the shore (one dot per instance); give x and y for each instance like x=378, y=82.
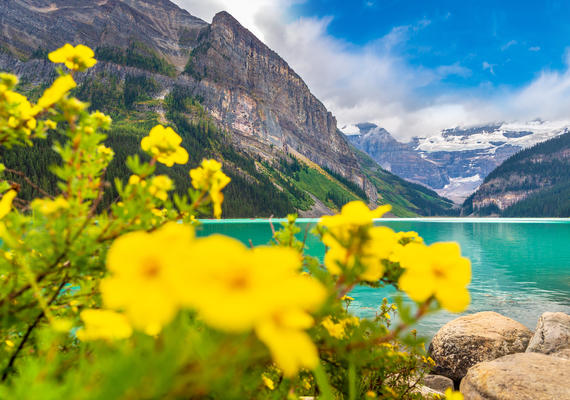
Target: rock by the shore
x=562, y=354
x=523, y=376
x=438, y=382
x=552, y=333
x=471, y=339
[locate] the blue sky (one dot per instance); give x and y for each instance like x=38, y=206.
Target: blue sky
x=416, y=67
x=502, y=42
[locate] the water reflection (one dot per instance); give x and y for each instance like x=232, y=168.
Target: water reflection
x=519, y=269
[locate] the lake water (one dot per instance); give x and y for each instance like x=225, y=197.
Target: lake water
x=520, y=267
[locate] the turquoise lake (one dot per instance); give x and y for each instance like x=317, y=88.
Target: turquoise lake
x=520, y=267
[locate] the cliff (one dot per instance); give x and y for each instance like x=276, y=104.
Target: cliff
x=254, y=93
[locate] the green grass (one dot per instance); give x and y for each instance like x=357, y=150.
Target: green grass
x=325, y=188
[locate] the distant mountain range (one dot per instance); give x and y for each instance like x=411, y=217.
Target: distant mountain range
x=226, y=93
x=455, y=161
x=533, y=183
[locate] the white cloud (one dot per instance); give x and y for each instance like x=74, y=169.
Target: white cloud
x=508, y=44
x=487, y=66
x=245, y=11
x=376, y=83
x=534, y=48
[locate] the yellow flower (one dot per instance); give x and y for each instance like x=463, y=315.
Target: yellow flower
x=347, y=298
x=450, y=394
x=77, y=58
x=239, y=289
x=145, y=270
x=136, y=180
x=352, y=239
x=101, y=118
x=407, y=237
x=159, y=187
x=209, y=177
x=6, y=202
x=103, y=324
x=371, y=394
x=336, y=330
x=240, y=286
x=268, y=382
x=354, y=214
x=371, y=248
x=20, y=110
x=436, y=270
x=56, y=91
x=164, y=144
x=50, y=124
x=7, y=81
x=49, y=206
x=105, y=151
x=291, y=348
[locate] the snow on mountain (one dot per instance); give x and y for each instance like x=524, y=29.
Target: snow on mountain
x=491, y=137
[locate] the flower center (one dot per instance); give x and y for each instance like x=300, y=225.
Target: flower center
x=438, y=271
x=151, y=268
x=239, y=282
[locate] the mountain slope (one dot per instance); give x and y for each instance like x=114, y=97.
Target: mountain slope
x=167, y=29
x=533, y=183
x=407, y=199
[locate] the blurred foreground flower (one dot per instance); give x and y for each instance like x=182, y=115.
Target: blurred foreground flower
x=164, y=145
x=436, y=270
x=78, y=58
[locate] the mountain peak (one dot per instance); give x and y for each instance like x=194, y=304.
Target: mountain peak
x=224, y=17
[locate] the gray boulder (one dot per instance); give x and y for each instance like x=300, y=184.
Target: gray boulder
x=552, y=333
x=471, y=339
x=523, y=376
x=438, y=382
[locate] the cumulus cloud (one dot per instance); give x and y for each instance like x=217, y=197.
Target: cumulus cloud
x=376, y=83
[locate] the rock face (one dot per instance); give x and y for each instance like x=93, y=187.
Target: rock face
x=524, y=376
x=562, y=354
x=471, y=339
x=438, y=382
x=254, y=93
x=552, y=334
x=27, y=25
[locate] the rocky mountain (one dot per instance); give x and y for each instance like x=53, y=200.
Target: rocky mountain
x=244, y=85
x=455, y=161
x=29, y=25
x=401, y=159
x=533, y=183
